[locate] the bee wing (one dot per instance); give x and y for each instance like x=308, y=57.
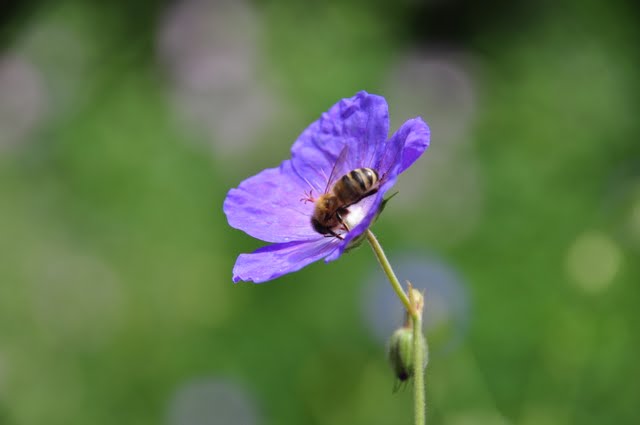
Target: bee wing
x=338, y=170
x=387, y=157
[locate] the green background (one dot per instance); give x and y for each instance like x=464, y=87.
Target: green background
x=116, y=258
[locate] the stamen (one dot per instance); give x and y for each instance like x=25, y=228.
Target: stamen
x=308, y=197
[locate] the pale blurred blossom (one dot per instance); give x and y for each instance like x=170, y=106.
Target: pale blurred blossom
x=441, y=84
x=211, y=52
x=447, y=304
x=23, y=100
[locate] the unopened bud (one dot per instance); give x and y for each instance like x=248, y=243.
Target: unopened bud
x=401, y=353
x=416, y=299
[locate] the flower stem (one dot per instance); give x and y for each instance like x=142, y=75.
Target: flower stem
x=420, y=406
x=414, y=310
x=386, y=267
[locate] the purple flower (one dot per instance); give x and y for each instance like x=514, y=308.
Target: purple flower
x=274, y=204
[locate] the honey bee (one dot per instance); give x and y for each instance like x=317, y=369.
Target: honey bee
x=331, y=208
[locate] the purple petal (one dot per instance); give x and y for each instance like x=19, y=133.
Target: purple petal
x=399, y=153
x=360, y=124
x=405, y=146
x=267, y=206
x=415, y=136
x=276, y=260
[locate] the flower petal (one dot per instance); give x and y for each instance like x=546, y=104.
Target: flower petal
x=276, y=260
x=359, y=124
x=399, y=153
x=414, y=135
x=268, y=206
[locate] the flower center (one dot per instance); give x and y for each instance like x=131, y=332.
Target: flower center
x=357, y=212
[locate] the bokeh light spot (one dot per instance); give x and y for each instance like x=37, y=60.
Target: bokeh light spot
x=593, y=260
x=60, y=43
x=446, y=312
x=23, y=100
x=439, y=85
x=210, y=50
x=210, y=401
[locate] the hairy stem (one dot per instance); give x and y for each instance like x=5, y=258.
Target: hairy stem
x=415, y=312
x=420, y=406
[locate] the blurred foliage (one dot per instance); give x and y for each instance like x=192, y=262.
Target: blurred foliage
x=115, y=272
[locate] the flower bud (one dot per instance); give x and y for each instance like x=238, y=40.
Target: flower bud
x=417, y=300
x=401, y=353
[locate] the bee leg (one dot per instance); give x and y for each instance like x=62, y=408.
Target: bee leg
x=341, y=220
x=332, y=234
x=372, y=192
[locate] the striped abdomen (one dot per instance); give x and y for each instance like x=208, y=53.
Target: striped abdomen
x=355, y=185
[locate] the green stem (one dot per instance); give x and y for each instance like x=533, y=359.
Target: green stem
x=416, y=315
x=386, y=267
x=418, y=372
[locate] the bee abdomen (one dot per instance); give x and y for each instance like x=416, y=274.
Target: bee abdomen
x=357, y=184
x=371, y=177
x=364, y=178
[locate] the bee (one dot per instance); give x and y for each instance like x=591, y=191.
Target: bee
x=331, y=208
